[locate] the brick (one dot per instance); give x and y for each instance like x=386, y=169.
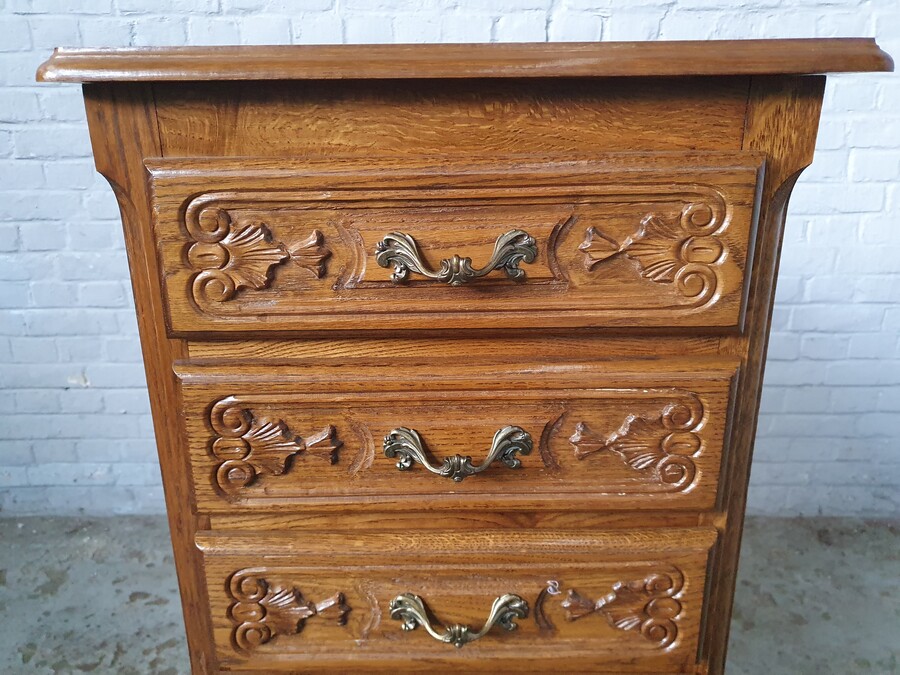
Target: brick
x=530, y=27
x=166, y=7
x=784, y=346
x=414, y=28
x=465, y=28
x=872, y=345
x=368, y=29
x=11, y=476
x=160, y=31
x=830, y=289
x=213, y=31
x=65, y=105
x=14, y=295
x=92, y=267
x=111, y=32
x=807, y=400
x=16, y=34
x=53, y=141
x=15, y=453
x=127, y=402
x=53, y=450
x=70, y=322
x=851, y=318
x=49, y=294
x=116, y=375
x=264, y=30
x=863, y=372
x=123, y=350
x=21, y=174
x=81, y=401
x=101, y=294
x=825, y=347
x=143, y=474
x=572, y=27
x=42, y=236
x=9, y=237
x=55, y=31
x=59, y=6
x=317, y=28
x=17, y=106
x=37, y=401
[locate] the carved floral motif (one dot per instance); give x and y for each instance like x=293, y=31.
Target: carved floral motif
x=264, y=609
x=647, y=606
x=248, y=446
x=682, y=250
x=233, y=254
x=661, y=447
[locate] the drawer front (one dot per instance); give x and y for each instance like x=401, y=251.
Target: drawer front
x=613, y=435
x=635, y=241
x=485, y=601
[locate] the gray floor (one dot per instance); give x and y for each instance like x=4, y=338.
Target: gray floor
x=99, y=596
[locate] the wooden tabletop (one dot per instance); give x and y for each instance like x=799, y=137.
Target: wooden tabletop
x=610, y=59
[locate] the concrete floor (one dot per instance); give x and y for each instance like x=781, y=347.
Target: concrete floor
x=99, y=596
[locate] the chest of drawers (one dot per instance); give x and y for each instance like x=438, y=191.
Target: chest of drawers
x=455, y=351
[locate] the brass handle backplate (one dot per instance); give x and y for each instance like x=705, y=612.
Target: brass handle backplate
x=401, y=252
x=407, y=446
x=410, y=609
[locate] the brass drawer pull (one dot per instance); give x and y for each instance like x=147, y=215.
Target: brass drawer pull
x=410, y=609
x=401, y=251
x=407, y=446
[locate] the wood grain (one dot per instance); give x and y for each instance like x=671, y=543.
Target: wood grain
x=624, y=443
x=782, y=120
x=619, y=59
x=123, y=131
x=622, y=241
x=459, y=575
x=435, y=121
x=269, y=418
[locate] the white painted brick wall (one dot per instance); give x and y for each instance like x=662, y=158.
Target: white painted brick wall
x=75, y=431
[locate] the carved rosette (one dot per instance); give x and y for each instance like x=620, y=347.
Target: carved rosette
x=248, y=446
x=683, y=250
x=661, y=447
x=648, y=606
x=264, y=609
x=230, y=254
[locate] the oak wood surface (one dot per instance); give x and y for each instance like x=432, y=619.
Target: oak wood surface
x=123, y=131
x=626, y=601
x=269, y=428
x=782, y=121
x=437, y=120
x=639, y=437
x=621, y=240
x=619, y=59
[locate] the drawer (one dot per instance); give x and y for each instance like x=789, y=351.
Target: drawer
x=629, y=240
x=616, y=434
x=487, y=601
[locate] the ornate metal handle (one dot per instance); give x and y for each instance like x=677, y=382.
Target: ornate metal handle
x=410, y=609
x=401, y=251
x=406, y=444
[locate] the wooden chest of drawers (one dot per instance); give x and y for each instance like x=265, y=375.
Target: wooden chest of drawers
x=455, y=351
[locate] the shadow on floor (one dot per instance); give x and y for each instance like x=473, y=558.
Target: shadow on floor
x=83, y=595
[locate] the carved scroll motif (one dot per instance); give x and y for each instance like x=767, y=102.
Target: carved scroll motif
x=648, y=606
x=264, y=609
x=233, y=254
x=661, y=447
x=682, y=250
x=248, y=446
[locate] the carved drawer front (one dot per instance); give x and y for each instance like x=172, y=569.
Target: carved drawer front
x=627, y=240
x=640, y=434
x=482, y=601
